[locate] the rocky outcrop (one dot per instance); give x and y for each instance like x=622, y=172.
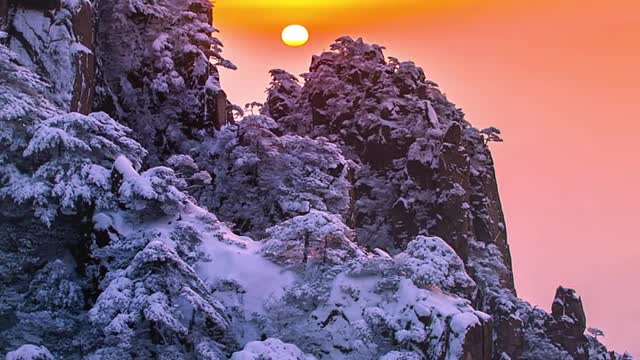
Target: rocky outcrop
x=567, y=308
x=478, y=341
x=451, y=181
x=56, y=40
x=568, y=323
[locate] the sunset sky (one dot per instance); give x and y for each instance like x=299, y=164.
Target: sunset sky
x=559, y=78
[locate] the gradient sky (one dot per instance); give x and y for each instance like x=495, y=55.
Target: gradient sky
x=559, y=78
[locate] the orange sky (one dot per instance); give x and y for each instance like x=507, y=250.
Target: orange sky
x=559, y=78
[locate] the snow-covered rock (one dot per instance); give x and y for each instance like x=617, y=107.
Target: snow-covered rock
x=30, y=352
x=422, y=168
x=58, y=42
x=432, y=263
x=270, y=349
x=365, y=309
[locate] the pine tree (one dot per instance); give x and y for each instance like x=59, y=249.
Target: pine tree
x=260, y=178
x=163, y=81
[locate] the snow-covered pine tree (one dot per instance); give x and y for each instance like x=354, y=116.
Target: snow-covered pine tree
x=65, y=167
x=282, y=94
x=54, y=166
x=152, y=303
x=163, y=81
x=34, y=283
x=68, y=170
x=261, y=179
x=316, y=238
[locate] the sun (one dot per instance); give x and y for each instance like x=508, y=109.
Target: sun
x=295, y=35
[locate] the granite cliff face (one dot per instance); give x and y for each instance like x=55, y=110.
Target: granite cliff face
x=357, y=218
x=64, y=55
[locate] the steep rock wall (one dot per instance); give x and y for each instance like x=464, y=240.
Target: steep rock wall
x=55, y=39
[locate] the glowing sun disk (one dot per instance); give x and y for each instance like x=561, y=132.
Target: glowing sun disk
x=295, y=35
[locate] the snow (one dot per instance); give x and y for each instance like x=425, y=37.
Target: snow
x=73, y=5
x=433, y=116
x=238, y=258
x=432, y=262
x=52, y=41
x=161, y=42
x=270, y=349
x=102, y=221
x=30, y=352
x=382, y=253
x=460, y=323
x=212, y=85
x=79, y=48
x=125, y=168
x=156, y=190
x=50, y=137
